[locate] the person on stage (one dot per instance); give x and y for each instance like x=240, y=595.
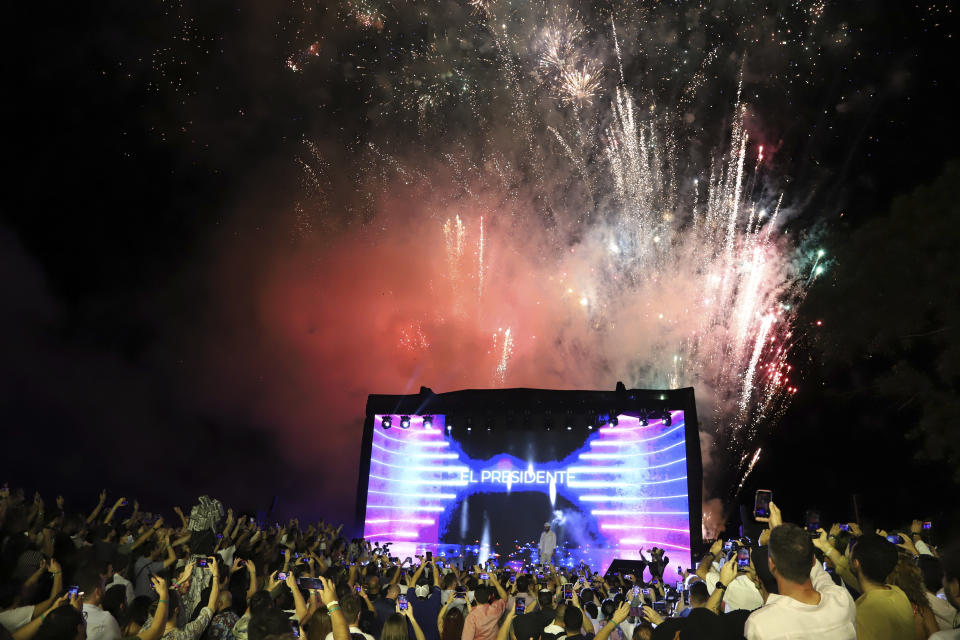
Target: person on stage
x=548, y=542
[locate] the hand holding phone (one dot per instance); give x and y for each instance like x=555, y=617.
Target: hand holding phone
x=521, y=605
x=402, y=603
x=761, y=503
x=743, y=559
x=895, y=538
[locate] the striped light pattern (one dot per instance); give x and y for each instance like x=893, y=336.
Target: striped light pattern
x=413, y=478
x=633, y=480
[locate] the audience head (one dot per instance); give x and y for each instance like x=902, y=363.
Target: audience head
x=271, y=622
x=643, y=631
x=874, y=558
x=63, y=623
x=932, y=572
x=572, y=619
x=90, y=581
x=699, y=594
x=790, y=553
x=394, y=628
x=452, y=624
x=482, y=594
x=351, y=606
x=545, y=599
x=951, y=575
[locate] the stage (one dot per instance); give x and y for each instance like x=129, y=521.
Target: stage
x=473, y=475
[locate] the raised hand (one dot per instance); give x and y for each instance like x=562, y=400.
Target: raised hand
x=160, y=586
x=776, y=518
x=327, y=591
x=652, y=615
x=821, y=541
x=716, y=546
x=621, y=613
x=728, y=572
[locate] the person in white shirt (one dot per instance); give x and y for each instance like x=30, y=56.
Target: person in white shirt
x=101, y=625
x=951, y=590
x=12, y=617
x=932, y=572
x=809, y=604
x=548, y=542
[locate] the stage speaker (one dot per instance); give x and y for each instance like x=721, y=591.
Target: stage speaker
x=624, y=567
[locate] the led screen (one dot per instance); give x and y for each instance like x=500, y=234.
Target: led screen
x=607, y=492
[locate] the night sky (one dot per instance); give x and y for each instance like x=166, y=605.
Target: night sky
x=215, y=229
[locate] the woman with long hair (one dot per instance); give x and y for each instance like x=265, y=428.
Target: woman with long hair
x=450, y=622
x=395, y=627
x=907, y=576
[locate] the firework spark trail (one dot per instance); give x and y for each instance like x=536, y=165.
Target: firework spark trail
x=505, y=351
x=480, y=265
x=662, y=267
x=746, y=474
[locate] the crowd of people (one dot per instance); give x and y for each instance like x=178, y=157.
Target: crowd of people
x=119, y=572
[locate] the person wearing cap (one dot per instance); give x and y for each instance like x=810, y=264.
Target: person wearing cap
x=548, y=542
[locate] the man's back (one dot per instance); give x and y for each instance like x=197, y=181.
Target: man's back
x=884, y=614
x=834, y=618
x=482, y=622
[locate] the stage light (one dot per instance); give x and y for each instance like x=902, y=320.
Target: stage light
x=569, y=428
x=614, y=421
x=386, y=422
x=427, y=422
x=644, y=421
x=667, y=419
x=404, y=422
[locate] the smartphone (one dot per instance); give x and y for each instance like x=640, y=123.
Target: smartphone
x=295, y=628
x=728, y=546
x=203, y=562
x=927, y=525
x=484, y=576
x=513, y=579
x=686, y=597
x=645, y=593
x=73, y=591
x=402, y=602
x=281, y=576
x=635, y=592
x=660, y=606
x=429, y=556
x=568, y=591
x=358, y=588
x=539, y=576
x=521, y=605
x=813, y=520
x=460, y=594
x=743, y=559
x=761, y=503
x=844, y=527
x=310, y=583
x=242, y=563
x=895, y=539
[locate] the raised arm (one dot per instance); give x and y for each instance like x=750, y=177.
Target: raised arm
x=496, y=585
x=96, y=511
x=155, y=630
x=707, y=561
x=299, y=605
x=507, y=626
x=339, y=624
x=728, y=573
x=615, y=621
x=113, y=510
x=57, y=573
x=252, y=570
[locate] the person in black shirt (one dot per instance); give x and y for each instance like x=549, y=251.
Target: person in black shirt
x=528, y=626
